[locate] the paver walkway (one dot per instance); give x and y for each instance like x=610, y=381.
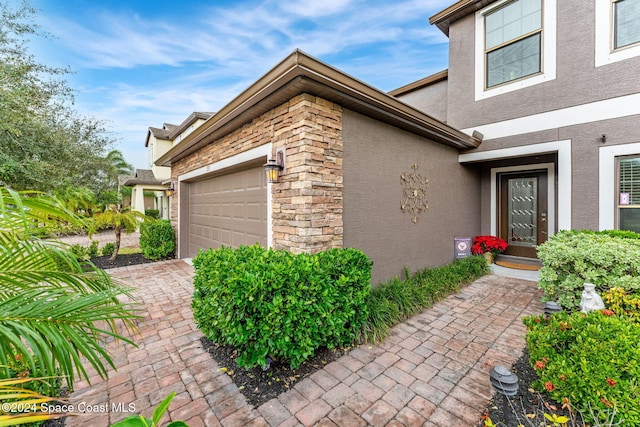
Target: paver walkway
x=432, y=370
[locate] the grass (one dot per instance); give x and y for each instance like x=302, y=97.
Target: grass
x=397, y=300
x=129, y=251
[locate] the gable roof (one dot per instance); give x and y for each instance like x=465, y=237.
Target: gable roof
x=142, y=176
x=457, y=11
x=419, y=84
x=300, y=73
x=169, y=132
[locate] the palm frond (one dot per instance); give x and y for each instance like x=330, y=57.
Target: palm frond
x=59, y=327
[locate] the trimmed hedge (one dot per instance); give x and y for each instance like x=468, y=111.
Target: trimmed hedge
x=571, y=258
x=276, y=304
x=157, y=239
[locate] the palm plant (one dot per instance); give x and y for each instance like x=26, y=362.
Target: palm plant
x=53, y=312
x=120, y=220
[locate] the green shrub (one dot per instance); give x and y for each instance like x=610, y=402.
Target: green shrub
x=591, y=359
x=108, y=248
x=275, y=304
x=79, y=251
x=92, y=250
x=623, y=304
x=152, y=213
x=397, y=300
x=157, y=239
x=570, y=258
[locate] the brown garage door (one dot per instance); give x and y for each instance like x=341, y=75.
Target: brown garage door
x=228, y=210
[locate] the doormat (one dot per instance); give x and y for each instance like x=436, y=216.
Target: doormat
x=517, y=266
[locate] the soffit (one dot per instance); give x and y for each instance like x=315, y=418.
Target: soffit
x=299, y=73
x=457, y=11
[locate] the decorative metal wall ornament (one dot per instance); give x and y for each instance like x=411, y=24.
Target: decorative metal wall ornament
x=414, y=193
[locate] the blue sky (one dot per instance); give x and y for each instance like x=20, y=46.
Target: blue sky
x=142, y=63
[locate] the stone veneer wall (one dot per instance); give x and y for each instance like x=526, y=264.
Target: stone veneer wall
x=307, y=203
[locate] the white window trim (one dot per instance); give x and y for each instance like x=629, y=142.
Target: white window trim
x=563, y=148
x=605, y=54
x=607, y=182
x=246, y=156
x=548, y=58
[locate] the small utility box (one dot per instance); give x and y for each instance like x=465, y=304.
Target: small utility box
x=462, y=247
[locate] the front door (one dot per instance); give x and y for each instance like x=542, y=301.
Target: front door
x=522, y=208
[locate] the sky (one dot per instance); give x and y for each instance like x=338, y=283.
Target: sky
x=141, y=63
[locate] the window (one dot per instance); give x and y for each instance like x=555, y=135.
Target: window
x=513, y=41
x=628, y=203
x=617, y=30
x=626, y=17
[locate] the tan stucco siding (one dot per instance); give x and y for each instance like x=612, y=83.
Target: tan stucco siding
x=375, y=156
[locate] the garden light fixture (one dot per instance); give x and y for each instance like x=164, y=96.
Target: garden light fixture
x=505, y=383
x=551, y=307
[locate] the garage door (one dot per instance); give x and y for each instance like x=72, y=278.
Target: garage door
x=228, y=210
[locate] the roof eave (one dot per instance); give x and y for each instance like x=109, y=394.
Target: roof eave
x=302, y=74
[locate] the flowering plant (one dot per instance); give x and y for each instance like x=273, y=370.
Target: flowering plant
x=493, y=244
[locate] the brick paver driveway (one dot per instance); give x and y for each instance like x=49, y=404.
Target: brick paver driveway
x=432, y=371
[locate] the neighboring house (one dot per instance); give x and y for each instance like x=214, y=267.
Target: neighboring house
x=554, y=88
x=353, y=157
x=144, y=190
x=149, y=186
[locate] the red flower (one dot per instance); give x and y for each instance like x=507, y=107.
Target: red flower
x=564, y=326
x=611, y=382
x=482, y=244
x=607, y=312
x=549, y=386
x=540, y=365
x=562, y=377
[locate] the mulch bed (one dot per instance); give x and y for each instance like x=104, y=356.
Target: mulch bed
x=259, y=386
x=528, y=406
x=122, y=260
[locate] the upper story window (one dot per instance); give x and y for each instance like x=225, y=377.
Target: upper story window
x=626, y=18
x=515, y=46
x=513, y=41
x=617, y=30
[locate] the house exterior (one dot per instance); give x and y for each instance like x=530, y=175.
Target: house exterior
x=149, y=186
x=532, y=129
x=360, y=169
x=553, y=88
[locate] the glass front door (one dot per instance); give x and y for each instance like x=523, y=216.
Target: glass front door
x=523, y=221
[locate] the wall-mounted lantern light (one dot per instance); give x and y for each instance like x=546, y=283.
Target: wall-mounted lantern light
x=170, y=191
x=273, y=167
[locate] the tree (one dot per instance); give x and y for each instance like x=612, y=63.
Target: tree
x=53, y=313
x=119, y=220
x=41, y=138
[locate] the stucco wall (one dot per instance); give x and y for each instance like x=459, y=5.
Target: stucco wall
x=431, y=99
x=577, y=81
x=375, y=156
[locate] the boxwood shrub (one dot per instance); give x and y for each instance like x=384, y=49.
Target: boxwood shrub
x=571, y=258
x=157, y=240
x=276, y=304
